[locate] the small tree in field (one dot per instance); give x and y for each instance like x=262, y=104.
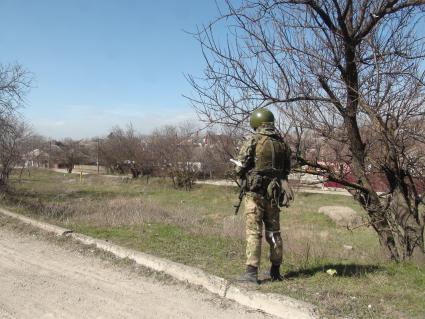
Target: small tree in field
x=125, y=150
x=70, y=152
x=14, y=137
x=349, y=72
x=172, y=150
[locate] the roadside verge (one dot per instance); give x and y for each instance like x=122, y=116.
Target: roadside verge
x=274, y=304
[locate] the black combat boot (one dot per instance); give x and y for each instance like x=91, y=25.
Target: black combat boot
x=275, y=273
x=250, y=275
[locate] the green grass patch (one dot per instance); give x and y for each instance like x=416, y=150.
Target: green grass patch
x=198, y=228
x=221, y=256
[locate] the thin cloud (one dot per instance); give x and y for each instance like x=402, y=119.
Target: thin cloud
x=86, y=123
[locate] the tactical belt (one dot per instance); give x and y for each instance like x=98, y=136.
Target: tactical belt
x=259, y=180
x=270, y=172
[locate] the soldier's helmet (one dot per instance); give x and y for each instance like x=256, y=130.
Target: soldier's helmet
x=261, y=116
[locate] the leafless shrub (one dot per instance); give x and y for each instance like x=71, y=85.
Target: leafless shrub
x=125, y=151
x=173, y=149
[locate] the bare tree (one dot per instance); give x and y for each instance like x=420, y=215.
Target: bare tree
x=14, y=139
x=217, y=150
x=173, y=152
x=126, y=151
x=14, y=83
x=347, y=71
x=70, y=152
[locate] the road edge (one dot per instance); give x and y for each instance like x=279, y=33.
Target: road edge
x=274, y=304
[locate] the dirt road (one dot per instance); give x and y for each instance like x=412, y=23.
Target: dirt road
x=41, y=279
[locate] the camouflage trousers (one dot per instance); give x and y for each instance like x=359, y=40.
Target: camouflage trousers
x=258, y=210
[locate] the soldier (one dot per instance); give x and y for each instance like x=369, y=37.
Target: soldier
x=265, y=164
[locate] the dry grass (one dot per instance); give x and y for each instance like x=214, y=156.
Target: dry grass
x=110, y=202
x=198, y=228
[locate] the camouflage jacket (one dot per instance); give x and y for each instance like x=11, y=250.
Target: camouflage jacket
x=247, y=151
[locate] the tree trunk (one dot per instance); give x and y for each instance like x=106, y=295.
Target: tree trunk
x=70, y=168
x=397, y=221
x=400, y=228
x=4, y=175
x=407, y=226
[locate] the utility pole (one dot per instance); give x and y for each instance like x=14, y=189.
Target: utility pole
x=97, y=159
x=50, y=150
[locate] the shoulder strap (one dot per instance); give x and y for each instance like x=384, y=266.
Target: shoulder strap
x=273, y=153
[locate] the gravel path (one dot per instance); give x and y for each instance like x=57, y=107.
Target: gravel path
x=40, y=279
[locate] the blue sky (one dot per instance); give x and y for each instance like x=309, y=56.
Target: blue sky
x=100, y=63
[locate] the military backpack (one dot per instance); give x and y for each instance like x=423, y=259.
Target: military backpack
x=272, y=156
x=272, y=166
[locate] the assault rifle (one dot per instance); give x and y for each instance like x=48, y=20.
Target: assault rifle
x=242, y=190
x=242, y=187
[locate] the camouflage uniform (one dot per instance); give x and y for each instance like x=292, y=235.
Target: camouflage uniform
x=259, y=207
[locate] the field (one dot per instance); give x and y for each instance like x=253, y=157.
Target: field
x=199, y=228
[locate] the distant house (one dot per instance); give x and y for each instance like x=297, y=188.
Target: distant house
x=43, y=159
x=36, y=158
